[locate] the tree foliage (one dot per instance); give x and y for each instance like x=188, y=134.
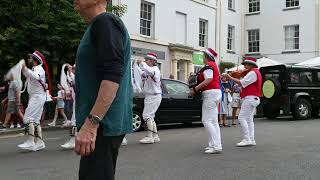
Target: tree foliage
x=225, y=65
x=50, y=26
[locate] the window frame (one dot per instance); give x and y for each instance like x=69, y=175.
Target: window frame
x=203, y=33
x=151, y=20
x=254, y=6
x=232, y=38
x=295, y=39
x=292, y=3
x=256, y=41
x=232, y=7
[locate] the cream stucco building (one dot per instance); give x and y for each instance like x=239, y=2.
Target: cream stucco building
x=175, y=30
x=284, y=30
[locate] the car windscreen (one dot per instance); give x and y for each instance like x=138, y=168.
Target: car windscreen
x=176, y=88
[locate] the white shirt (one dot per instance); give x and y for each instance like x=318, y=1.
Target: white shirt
x=152, y=84
x=250, y=78
x=60, y=94
x=208, y=73
x=34, y=76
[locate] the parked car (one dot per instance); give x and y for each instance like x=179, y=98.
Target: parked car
x=290, y=90
x=176, y=105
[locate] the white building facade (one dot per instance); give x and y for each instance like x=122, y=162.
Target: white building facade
x=284, y=30
x=175, y=30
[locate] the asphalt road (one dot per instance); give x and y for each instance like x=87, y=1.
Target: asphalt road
x=286, y=150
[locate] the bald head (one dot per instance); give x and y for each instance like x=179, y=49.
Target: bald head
x=89, y=9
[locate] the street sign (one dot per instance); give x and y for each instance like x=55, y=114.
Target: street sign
x=197, y=58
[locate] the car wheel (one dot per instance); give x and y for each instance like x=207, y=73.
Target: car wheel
x=271, y=88
x=137, y=121
x=302, y=109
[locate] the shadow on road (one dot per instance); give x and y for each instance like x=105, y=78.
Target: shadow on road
x=179, y=126
x=285, y=118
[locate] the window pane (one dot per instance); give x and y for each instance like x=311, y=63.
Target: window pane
x=145, y=19
x=176, y=88
x=148, y=32
x=306, y=77
x=292, y=37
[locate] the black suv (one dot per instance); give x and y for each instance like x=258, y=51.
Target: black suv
x=290, y=90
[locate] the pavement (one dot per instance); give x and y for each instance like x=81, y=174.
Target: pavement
x=44, y=125
x=286, y=150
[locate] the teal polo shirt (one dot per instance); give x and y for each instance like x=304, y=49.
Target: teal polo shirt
x=104, y=54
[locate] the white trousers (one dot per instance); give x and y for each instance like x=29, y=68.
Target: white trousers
x=34, y=110
x=151, y=105
x=246, y=115
x=211, y=99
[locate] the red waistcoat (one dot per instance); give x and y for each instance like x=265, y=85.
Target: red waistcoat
x=253, y=89
x=215, y=83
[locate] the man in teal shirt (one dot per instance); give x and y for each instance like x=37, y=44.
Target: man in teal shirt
x=103, y=90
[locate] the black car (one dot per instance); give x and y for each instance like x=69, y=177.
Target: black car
x=176, y=105
x=290, y=90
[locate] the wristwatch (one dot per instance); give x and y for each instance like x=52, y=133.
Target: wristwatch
x=94, y=119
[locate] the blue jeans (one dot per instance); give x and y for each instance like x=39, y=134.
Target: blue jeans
x=68, y=108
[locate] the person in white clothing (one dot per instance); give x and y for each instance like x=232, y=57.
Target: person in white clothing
x=250, y=95
x=153, y=96
x=209, y=85
x=70, y=144
x=37, y=97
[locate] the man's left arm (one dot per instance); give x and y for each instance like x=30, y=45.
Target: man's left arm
x=108, y=41
x=250, y=78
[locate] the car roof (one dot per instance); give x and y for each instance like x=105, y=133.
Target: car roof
x=288, y=66
x=301, y=66
x=174, y=80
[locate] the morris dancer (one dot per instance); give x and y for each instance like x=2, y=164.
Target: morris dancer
x=153, y=96
x=209, y=78
x=250, y=95
x=37, y=98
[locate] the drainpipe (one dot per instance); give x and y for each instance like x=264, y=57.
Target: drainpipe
x=243, y=29
x=317, y=23
x=219, y=8
x=216, y=26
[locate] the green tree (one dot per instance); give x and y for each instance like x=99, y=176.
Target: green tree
x=225, y=65
x=51, y=26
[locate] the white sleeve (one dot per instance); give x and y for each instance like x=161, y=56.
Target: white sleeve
x=149, y=70
x=157, y=74
x=250, y=78
x=34, y=74
x=208, y=73
x=137, y=68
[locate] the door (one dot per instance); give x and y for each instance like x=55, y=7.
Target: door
x=181, y=28
x=181, y=105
